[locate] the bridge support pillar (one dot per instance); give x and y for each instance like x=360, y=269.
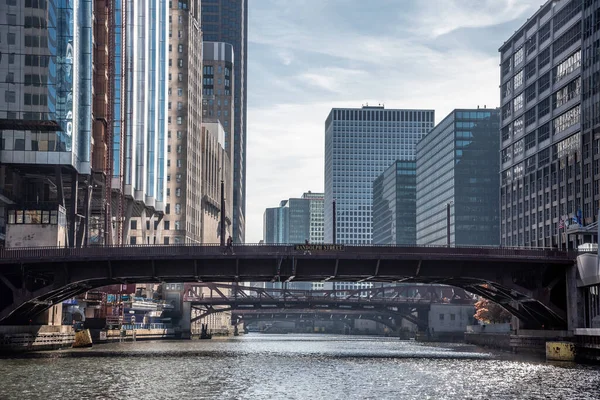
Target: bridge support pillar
x=574, y=300
x=186, y=320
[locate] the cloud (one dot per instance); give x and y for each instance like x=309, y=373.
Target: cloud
x=306, y=57
x=439, y=17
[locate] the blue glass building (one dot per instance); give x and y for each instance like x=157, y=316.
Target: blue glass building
x=360, y=143
x=395, y=205
x=458, y=164
x=46, y=83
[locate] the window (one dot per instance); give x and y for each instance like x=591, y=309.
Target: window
x=530, y=93
x=518, y=127
x=518, y=80
x=518, y=57
x=530, y=70
x=178, y=209
x=566, y=120
x=518, y=102
x=10, y=96
x=544, y=107
x=530, y=141
x=166, y=240
x=179, y=163
x=133, y=224
x=568, y=38
x=441, y=317
x=11, y=38
x=567, y=66
x=179, y=91
x=180, y=48
x=132, y=240
x=177, y=225
x=544, y=58
x=178, y=192
x=179, y=120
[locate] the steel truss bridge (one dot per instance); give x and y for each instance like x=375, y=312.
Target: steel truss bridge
x=408, y=301
x=530, y=283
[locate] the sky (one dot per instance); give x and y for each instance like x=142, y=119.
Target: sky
x=306, y=57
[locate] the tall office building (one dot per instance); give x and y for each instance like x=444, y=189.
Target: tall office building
x=227, y=21
x=395, y=204
x=317, y=216
x=160, y=103
x=218, y=88
x=295, y=220
x=184, y=139
x=275, y=220
x=360, y=143
x=457, y=164
x=550, y=114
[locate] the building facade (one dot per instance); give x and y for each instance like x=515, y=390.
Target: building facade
x=550, y=117
x=218, y=88
x=83, y=104
x=317, y=216
x=275, y=220
x=395, y=205
x=216, y=167
x=227, y=21
x=182, y=163
x=296, y=220
x=457, y=164
x=360, y=143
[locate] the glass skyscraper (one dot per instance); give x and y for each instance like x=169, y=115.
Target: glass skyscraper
x=46, y=83
x=395, y=204
x=457, y=164
x=295, y=220
x=360, y=143
x=227, y=21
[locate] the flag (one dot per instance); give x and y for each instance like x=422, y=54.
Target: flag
x=561, y=223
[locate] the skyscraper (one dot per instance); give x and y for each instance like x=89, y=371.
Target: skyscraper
x=275, y=224
x=550, y=116
x=295, y=220
x=360, y=143
x=317, y=216
x=457, y=165
x=227, y=21
x=183, y=216
x=395, y=204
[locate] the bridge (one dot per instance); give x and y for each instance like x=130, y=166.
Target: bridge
x=408, y=301
x=347, y=317
x=530, y=283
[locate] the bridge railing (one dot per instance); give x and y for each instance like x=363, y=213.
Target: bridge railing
x=165, y=251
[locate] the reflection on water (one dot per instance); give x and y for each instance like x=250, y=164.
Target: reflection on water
x=291, y=367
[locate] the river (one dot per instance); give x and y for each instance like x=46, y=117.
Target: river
x=259, y=366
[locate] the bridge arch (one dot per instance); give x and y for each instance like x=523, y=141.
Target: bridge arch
x=528, y=283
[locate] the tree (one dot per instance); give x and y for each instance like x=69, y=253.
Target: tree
x=491, y=313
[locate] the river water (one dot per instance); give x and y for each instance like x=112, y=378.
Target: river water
x=258, y=366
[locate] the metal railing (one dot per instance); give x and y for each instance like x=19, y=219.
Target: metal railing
x=12, y=255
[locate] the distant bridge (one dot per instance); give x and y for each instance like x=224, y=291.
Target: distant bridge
x=399, y=301
x=530, y=283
